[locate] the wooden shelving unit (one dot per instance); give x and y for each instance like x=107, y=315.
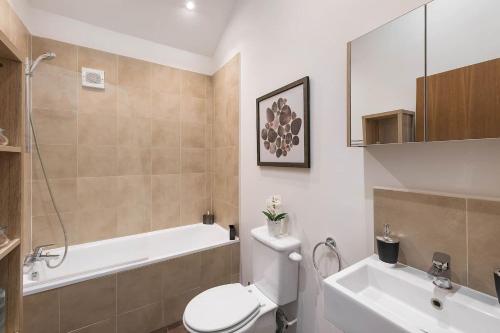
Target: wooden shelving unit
x=11, y=179
x=389, y=127
x=10, y=149
x=11, y=246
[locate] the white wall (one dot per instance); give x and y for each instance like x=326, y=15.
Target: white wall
x=281, y=41
x=49, y=25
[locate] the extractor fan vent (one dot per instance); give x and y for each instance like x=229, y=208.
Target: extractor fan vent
x=93, y=78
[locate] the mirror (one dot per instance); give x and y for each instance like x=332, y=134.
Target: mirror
x=385, y=65
x=430, y=75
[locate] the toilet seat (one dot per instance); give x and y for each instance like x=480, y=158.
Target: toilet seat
x=225, y=309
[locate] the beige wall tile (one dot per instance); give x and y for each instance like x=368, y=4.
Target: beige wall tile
x=96, y=135
x=484, y=247
x=194, y=186
x=97, y=101
x=174, y=306
x=194, y=160
x=194, y=135
x=134, y=204
x=216, y=264
x=219, y=186
x=134, y=131
x=41, y=312
x=92, y=58
x=193, y=110
x=97, y=193
x=64, y=191
x=181, y=275
x=104, y=326
x=165, y=201
x=194, y=84
x=134, y=190
x=138, y=287
x=97, y=224
x=142, y=320
x=97, y=129
x=134, y=73
x=55, y=88
x=59, y=161
x=166, y=105
x=134, y=160
x=55, y=127
x=165, y=160
x=165, y=133
x=225, y=214
x=166, y=79
x=87, y=302
x=166, y=215
x=425, y=224
x=97, y=161
x=134, y=102
x=192, y=210
x=66, y=54
x=133, y=220
x=47, y=230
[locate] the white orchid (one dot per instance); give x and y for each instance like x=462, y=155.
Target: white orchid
x=274, y=208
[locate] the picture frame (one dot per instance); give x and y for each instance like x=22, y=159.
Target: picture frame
x=283, y=126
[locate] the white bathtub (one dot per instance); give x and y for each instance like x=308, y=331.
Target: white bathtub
x=92, y=260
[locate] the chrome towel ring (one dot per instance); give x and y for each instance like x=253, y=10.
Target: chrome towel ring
x=332, y=245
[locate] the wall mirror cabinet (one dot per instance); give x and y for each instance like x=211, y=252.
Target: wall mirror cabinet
x=432, y=74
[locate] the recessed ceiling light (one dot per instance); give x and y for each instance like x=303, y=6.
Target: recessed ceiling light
x=190, y=5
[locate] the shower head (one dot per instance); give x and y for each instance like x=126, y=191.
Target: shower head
x=34, y=64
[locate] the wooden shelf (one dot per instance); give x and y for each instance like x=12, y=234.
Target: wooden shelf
x=389, y=127
x=10, y=149
x=12, y=245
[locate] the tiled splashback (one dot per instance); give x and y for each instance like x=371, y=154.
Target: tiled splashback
x=466, y=228
x=225, y=152
x=134, y=157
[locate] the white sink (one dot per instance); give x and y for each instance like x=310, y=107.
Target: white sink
x=371, y=296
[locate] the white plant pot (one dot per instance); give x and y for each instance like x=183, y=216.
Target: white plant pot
x=277, y=228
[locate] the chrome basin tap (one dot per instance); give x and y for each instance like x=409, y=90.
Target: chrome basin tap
x=440, y=270
x=38, y=255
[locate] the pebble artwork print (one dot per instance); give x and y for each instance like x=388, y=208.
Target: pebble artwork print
x=282, y=128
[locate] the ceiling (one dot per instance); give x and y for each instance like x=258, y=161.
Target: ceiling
x=166, y=22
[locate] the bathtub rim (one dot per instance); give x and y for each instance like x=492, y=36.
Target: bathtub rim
x=39, y=287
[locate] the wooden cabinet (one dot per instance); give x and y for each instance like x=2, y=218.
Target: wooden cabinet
x=11, y=179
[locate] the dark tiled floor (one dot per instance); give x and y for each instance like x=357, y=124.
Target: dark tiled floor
x=176, y=328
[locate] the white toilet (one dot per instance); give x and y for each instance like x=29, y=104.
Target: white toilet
x=236, y=308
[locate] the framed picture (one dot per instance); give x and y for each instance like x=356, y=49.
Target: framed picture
x=283, y=126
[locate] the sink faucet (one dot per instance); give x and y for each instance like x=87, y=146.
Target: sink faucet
x=440, y=270
x=38, y=255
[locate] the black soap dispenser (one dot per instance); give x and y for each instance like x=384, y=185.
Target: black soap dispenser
x=387, y=246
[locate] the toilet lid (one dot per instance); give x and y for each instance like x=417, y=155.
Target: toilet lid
x=220, y=308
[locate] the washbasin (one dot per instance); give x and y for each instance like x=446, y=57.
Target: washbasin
x=372, y=296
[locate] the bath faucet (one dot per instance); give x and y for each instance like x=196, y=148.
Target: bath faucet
x=440, y=270
x=38, y=255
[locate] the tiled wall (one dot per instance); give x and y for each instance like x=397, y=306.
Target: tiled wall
x=137, y=301
x=466, y=228
x=225, y=143
x=128, y=159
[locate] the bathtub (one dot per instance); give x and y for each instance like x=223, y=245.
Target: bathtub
x=92, y=260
